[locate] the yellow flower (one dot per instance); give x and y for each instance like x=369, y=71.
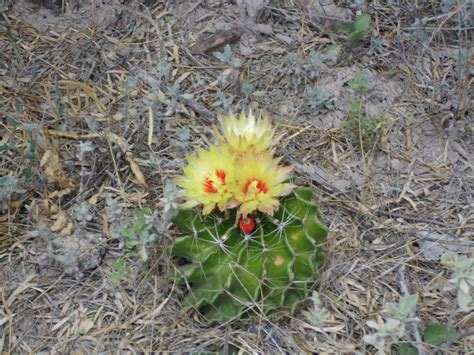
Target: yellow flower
x=259, y=182
x=246, y=133
x=207, y=179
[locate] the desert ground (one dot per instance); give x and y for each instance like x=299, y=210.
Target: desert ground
x=102, y=101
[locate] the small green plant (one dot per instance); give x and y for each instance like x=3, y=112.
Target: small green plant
x=82, y=212
x=394, y=327
x=378, y=45
x=183, y=134
x=221, y=100
x=170, y=196
x=170, y=21
x=9, y=185
x=357, y=30
x=317, y=99
x=248, y=89
x=225, y=78
x=364, y=128
x=446, y=5
x=318, y=314
x=462, y=279
x=114, y=212
x=162, y=70
x=29, y=154
x=227, y=56
x=119, y=271
x=6, y=147
x=59, y=101
x=140, y=234
x=433, y=334
x=401, y=310
x=172, y=95
x=361, y=82
x=299, y=69
x=437, y=334
x=358, y=4
x=41, y=231
x=76, y=253
x=231, y=73
x=136, y=235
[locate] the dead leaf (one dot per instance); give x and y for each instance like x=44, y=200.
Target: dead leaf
x=117, y=117
x=45, y=211
x=80, y=91
x=121, y=143
x=36, y=208
x=51, y=165
x=59, y=193
x=140, y=178
x=112, y=137
x=68, y=230
x=210, y=43
x=53, y=169
x=61, y=221
x=85, y=324
x=93, y=200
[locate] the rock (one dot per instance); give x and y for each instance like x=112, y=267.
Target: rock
x=434, y=245
x=325, y=12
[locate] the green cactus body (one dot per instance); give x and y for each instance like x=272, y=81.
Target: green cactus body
x=231, y=274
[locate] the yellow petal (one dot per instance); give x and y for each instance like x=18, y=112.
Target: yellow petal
x=207, y=178
x=259, y=182
x=246, y=133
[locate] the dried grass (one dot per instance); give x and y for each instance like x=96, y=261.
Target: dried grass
x=374, y=201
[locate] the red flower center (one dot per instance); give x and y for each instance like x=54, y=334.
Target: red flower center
x=246, y=225
x=260, y=186
x=209, y=186
x=221, y=175
x=210, y=180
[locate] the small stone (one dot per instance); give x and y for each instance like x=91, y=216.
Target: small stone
x=395, y=164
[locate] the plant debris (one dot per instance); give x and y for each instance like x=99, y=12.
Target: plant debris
x=101, y=101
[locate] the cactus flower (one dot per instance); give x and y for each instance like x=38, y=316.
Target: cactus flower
x=207, y=179
x=259, y=181
x=246, y=133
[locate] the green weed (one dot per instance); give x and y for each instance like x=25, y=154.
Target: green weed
x=140, y=234
x=357, y=30
x=365, y=129
x=317, y=99
x=361, y=82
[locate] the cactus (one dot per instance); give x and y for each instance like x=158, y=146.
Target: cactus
x=233, y=269
x=254, y=246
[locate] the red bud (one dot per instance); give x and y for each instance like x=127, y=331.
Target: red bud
x=246, y=225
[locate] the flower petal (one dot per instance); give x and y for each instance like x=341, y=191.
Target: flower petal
x=207, y=178
x=246, y=133
x=258, y=183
